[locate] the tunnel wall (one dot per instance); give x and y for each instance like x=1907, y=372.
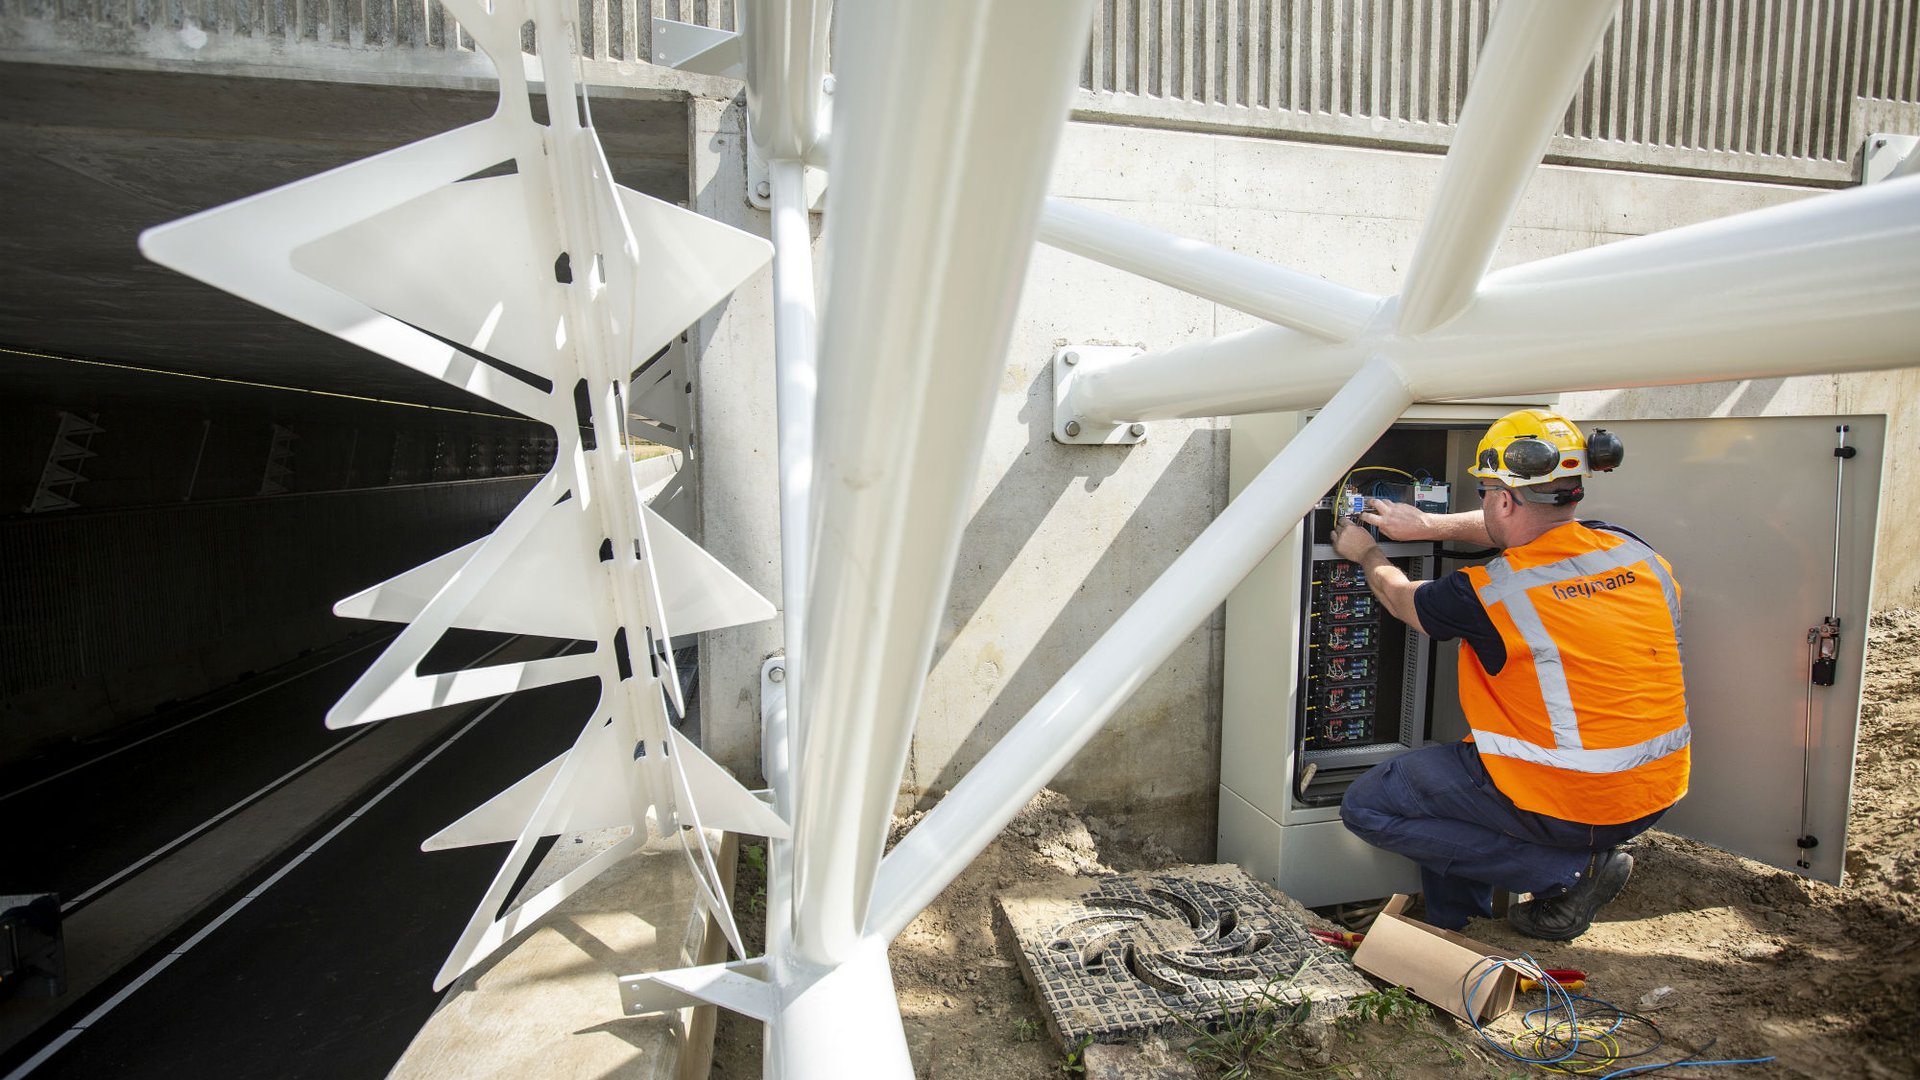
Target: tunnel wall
x=106, y=614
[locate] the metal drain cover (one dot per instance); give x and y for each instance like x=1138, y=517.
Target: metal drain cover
x=1118, y=957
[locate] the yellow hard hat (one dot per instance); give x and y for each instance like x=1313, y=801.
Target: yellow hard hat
x=1534, y=446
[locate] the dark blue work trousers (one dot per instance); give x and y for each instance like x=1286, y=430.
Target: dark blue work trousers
x=1438, y=807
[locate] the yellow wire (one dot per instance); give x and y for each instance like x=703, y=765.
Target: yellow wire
x=1375, y=468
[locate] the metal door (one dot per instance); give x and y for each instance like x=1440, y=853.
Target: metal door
x=1745, y=510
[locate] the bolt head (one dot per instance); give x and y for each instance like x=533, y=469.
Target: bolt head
x=826, y=86
x=777, y=675
x=1070, y=357
x=1073, y=428
x=763, y=189
x=1136, y=430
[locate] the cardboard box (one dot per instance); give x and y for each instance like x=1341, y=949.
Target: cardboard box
x=1439, y=966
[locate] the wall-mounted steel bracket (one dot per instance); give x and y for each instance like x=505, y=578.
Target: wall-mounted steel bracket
x=1886, y=156
x=699, y=49
x=1070, y=428
x=760, y=181
x=773, y=688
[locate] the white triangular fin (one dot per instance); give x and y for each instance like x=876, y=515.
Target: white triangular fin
x=698, y=593
x=693, y=263
x=500, y=818
x=418, y=693
x=399, y=661
x=463, y=262
x=244, y=248
x=738, y=985
x=546, y=588
x=725, y=803
x=597, y=797
x=400, y=598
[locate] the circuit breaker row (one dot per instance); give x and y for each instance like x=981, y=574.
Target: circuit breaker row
x=1344, y=635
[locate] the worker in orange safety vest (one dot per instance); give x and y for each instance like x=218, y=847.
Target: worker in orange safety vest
x=1570, y=679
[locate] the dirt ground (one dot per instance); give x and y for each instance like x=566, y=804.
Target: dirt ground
x=1722, y=953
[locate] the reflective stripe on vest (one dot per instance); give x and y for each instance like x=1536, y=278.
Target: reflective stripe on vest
x=1510, y=587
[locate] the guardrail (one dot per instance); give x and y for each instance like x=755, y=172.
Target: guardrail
x=1749, y=88
x=1744, y=87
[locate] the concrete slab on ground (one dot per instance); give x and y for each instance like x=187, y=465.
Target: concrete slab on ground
x=550, y=1004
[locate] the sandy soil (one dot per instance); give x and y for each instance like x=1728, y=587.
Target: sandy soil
x=1723, y=953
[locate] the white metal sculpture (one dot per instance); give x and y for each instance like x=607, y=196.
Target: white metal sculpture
x=941, y=141
x=508, y=239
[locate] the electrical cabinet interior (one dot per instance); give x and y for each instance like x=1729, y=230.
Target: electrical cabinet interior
x=1363, y=692
x=1364, y=675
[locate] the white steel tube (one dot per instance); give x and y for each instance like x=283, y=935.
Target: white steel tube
x=1826, y=284
x=1055, y=729
x=839, y=1023
x=796, y=378
x=1228, y=375
x=1536, y=53
x=784, y=43
x=952, y=113
x=1304, y=302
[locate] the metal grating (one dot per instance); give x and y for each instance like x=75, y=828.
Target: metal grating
x=1741, y=86
x=1780, y=89
x=1121, y=956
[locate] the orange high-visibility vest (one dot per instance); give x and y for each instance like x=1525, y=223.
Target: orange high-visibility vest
x=1587, y=721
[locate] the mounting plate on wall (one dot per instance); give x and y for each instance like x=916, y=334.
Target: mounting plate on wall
x=1068, y=361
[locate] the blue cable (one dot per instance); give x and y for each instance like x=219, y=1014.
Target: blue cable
x=1567, y=999
x=1549, y=986
x=1632, y=1070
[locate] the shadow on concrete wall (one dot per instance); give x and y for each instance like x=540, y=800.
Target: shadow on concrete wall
x=1025, y=494
x=1746, y=397
x=1132, y=560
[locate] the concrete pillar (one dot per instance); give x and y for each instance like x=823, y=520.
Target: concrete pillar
x=734, y=454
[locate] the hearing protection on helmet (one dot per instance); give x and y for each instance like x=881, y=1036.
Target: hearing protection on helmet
x=1533, y=446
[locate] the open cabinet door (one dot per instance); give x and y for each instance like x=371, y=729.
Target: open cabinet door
x=1745, y=510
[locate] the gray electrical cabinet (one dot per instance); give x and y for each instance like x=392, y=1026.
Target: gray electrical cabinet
x=1769, y=523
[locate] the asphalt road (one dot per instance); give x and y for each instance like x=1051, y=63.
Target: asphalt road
x=326, y=969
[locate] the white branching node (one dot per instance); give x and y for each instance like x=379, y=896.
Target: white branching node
x=502, y=258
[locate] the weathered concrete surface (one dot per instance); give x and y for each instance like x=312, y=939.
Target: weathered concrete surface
x=736, y=460
x=550, y=1005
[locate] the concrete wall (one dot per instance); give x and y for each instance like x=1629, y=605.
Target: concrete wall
x=106, y=614
x=1061, y=539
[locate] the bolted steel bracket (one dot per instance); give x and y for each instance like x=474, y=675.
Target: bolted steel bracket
x=1073, y=429
x=699, y=49
x=773, y=688
x=1887, y=156
x=760, y=181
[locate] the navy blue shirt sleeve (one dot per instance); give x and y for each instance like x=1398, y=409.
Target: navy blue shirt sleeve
x=1612, y=528
x=1448, y=609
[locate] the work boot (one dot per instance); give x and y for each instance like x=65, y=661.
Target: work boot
x=1567, y=916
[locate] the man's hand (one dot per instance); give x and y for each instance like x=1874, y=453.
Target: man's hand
x=1351, y=541
x=1386, y=581
x=1397, y=520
